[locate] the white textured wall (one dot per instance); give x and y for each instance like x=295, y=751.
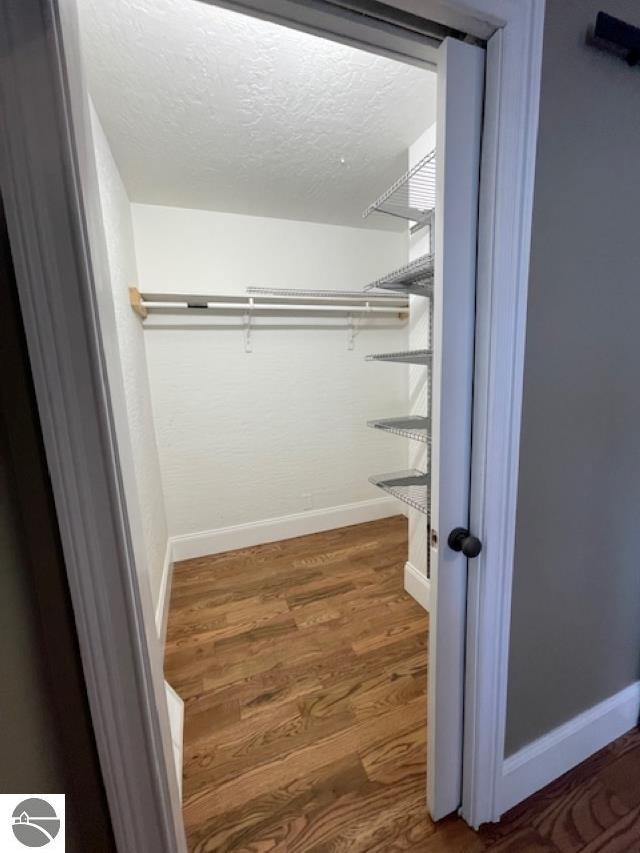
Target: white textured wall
x=245, y=437
x=143, y=484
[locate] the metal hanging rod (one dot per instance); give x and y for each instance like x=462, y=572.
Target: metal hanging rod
x=352, y=306
x=273, y=308
x=318, y=302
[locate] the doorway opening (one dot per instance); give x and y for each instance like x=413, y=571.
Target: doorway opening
x=267, y=199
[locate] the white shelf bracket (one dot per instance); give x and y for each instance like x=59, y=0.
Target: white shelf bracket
x=351, y=332
x=246, y=329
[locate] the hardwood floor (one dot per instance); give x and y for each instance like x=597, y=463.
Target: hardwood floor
x=303, y=669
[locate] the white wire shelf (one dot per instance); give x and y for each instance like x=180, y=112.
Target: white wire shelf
x=416, y=278
x=412, y=426
x=411, y=197
x=268, y=293
x=416, y=356
x=411, y=487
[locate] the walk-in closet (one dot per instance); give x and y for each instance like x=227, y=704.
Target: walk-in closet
x=287, y=429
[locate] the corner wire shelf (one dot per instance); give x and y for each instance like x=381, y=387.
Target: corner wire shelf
x=411, y=487
x=412, y=426
x=416, y=356
x=416, y=277
x=412, y=197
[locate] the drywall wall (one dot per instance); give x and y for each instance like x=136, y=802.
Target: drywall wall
x=245, y=437
x=575, y=625
x=135, y=427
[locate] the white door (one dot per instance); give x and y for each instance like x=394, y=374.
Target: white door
x=459, y=117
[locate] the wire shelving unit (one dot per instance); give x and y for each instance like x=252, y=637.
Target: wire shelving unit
x=265, y=294
x=416, y=278
x=415, y=356
x=415, y=427
x=411, y=197
x=411, y=487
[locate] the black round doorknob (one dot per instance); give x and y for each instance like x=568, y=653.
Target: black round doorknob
x=461, y=540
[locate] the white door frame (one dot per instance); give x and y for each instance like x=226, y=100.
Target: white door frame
x=512, y=97
x=458, y=144
x=47, y=227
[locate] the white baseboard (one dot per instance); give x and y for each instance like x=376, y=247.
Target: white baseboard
x=175, y=708
x=207, y=542
x=417, y=585
x=547, y=758
x=162, y=609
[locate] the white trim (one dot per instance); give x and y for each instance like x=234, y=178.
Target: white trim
x=231, y=538
x=458, y=143
x=376, y=33
x=547, y=758
x=164, y=596
x=514, y=57
x=175, y=707
x=417, y=585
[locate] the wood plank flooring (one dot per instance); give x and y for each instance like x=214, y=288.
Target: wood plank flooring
x=303, y=669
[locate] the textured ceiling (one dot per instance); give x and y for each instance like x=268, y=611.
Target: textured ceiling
x=212, y=109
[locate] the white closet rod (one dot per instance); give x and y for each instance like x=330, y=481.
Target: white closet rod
x=350, y=303
x=253, y=308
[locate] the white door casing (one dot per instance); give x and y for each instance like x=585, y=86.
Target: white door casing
x=458, y=132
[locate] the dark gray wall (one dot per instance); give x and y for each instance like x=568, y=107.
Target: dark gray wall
x=28, y=756
x=46, y=738
x=575, y=628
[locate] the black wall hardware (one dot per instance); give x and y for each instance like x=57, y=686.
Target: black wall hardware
x=461, y=540
x=617, y=37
